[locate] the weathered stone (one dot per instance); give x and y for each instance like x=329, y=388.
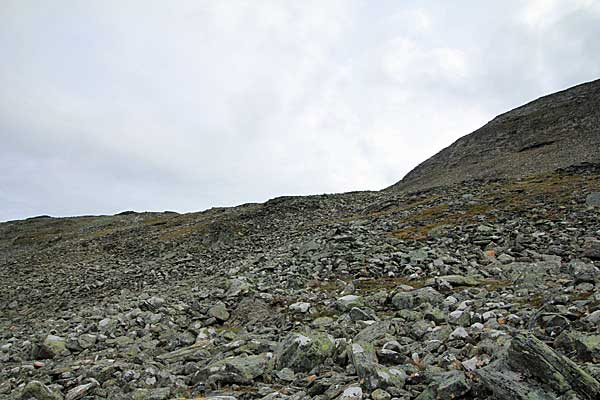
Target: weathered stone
x=584, y=347
x=303, y=351
x=300, y=307
x=194, y=352
x=52, y=346
x=219, y=311
x=593, y=199
x=591, y=249
x=380, y=394
x=151, y=394
x=373, y=374
x=81, y=390
x=347, y=302
x=414, y=298
x=38, y=391
x=452, y=386
x=529, y=354
x=238, y=370
x=352, y=393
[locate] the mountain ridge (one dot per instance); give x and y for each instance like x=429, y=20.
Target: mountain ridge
x=551, y=132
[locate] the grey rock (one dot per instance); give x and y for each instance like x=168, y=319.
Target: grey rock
x=219, y=311
x=414, y=298
x=82, y=390
x=593, y=199
x=38, y=391
x=345, y=303
x=51, y=347
x=582, y=346
x=151, y=394
x=352, y=393
x=303, y=351
x=380, y=394
x=529, y=354
x=591, y=249
x=300, y=307
x=373, y=374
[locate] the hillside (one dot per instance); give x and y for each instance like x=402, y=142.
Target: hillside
x=552, y=132
x=452, y=287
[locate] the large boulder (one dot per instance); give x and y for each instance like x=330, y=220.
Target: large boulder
x=304, y=351
x=551, y=374
x=414, y=298
x=584, y=347
x=38, y=391
x=371, y=373
x=235, y=370
x=52, y=346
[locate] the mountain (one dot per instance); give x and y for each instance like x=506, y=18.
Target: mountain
x=450, y=285
x=551, y=132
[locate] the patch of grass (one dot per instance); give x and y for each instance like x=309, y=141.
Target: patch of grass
x=183, y=231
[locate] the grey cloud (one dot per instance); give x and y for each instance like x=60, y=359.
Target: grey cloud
x=147, y=105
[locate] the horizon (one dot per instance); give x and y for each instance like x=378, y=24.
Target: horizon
x=107, y=109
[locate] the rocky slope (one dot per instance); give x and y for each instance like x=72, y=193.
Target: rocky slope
x=552, y=132
x=482, y=289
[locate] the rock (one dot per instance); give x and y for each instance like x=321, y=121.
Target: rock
x=530, y=355
x=151, y=394
x=505, y=258
x=584, y=347
x=303, y=351
x=285, y=374
x=454, y=280
x=52, y=346
x=373, y=374
x=593, y=199
x=154, y=303
x=352, y=393
x=38, y=391
x=452, y=386
x=81, y=390
x=506, y=384
x=87, y=340
x=107, y=325
x=414, y=298
x=373, y=332
x=235, y=370
x=380, y=394
x=345, y=303
x=300, y=307
x=418, y=255
x=194, y=352
x=594, y=317
x=591, y=249
x=237, y=287
x=219, y=311
x=459, y=333
x=359, y=314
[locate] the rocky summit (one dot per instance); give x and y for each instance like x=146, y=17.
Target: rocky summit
x=450, y=285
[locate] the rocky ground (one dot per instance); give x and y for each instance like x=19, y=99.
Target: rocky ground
x=486, y=289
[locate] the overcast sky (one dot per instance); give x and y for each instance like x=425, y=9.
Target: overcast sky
x=183, y=105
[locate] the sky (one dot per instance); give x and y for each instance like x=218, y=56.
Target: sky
x=181, y=105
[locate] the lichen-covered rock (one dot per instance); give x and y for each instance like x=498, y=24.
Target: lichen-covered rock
x=414, y=298
x=372, y=374
x=52, y=346
x=238, y=370
x=38, y=391
x=304, y=351
x=151, y=394
x=582, y=346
